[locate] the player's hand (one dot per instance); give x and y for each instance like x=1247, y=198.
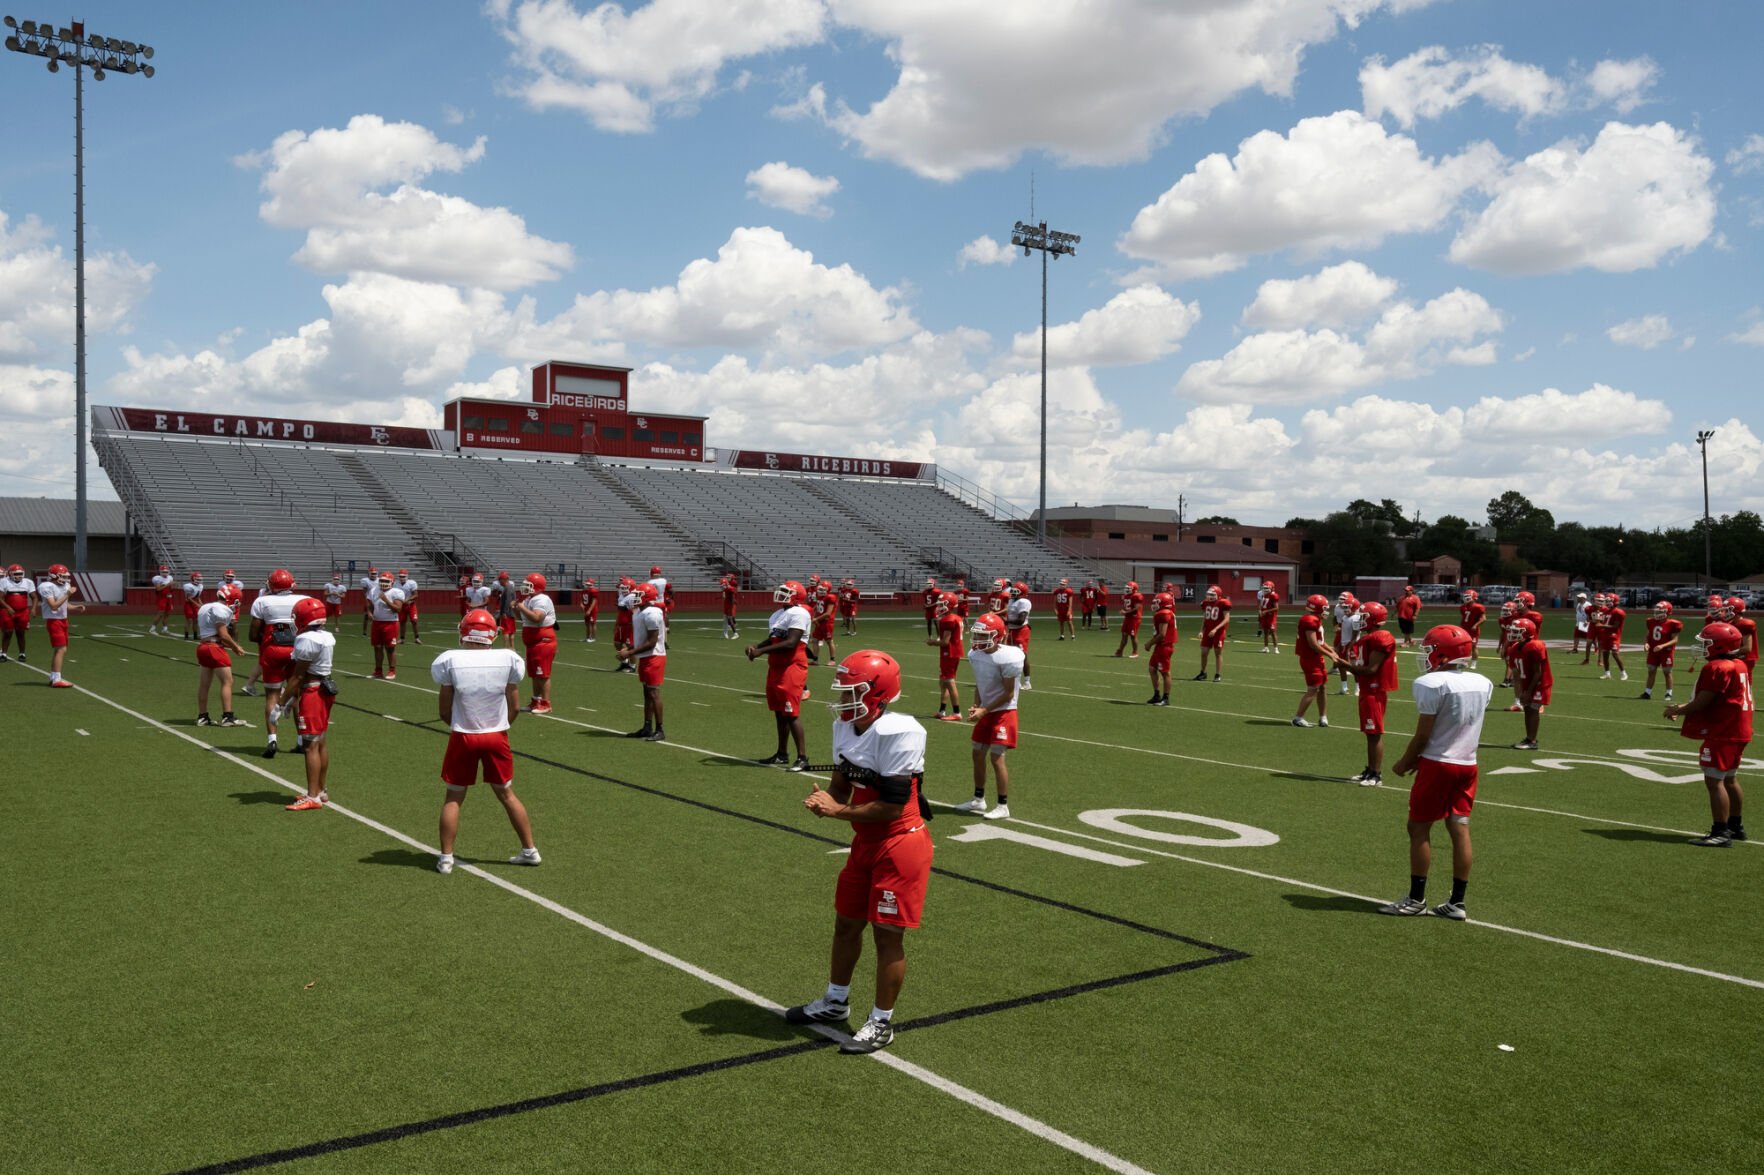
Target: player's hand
x=975, y=713
x=1403, y=766
x=1673, y=711
x=752, y=652
x=821, y=802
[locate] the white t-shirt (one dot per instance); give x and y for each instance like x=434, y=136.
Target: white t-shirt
x=192, y=591
x=1458, y=700
x=480, y=679
x=276, y=610
x=53, y=598
x=368, y=583
x=996, y=675
x=645, y=621
x=335, y=591
x=478, y=595
x=1350, y=625
x=162, y=581
x=409, y=587
x=316, y=646
x=22, y=586
x=1580, y=614
x=540, y=603
x=786, y=618
x=1017, y=613
x=384, y=612
x=211, y=618
x=660, y=584
x=893, y=747
x=626, y=600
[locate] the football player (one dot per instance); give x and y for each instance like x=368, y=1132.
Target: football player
x=590, y=601
x=408, y=618
x=998, y=666
x=539, y=637
x=307, y=689
x=849, y=599
x=929, y=598
x=1503, y=647
x=786, y=651
x=1062, y=602
x=1611, y=638
x=192, y=601
x=1314, y=656
x=1720, y=716
x=385, y=604
x=1531, y=677
x=274, y=631
x=230, y=591
x=1442, y=754
x=335, y=591
x=1661, y=644
x=1102, y=604
x=1016, y=618
x=948, y=643
x=1268, y=617
x=53, y=597
x=823, y=605
x=624, y=604
x=1372, y=659
x=877, y=785
x=1595, y=622
x=164, y=583
x=1582, y=634
x=1408, y=607
x=1215, y=623
x=1346, y=617
x=1748, y=630
x=370, y=583
x=1163, y=646
x=16, y=592
x=214, y=628
x=649, y=649
x=731, y=589
x=1132, y=612
x=480, y=700
x=1087, y=601
x=1471, y=611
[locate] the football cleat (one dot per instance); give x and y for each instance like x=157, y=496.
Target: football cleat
x=305, y=804
x=1407, y=908
x=230, y=720
x=204, y=720
x=1717, y=838
x=525, y=857
x=818, y=1011
x=59, y=683
x=999, y=812
x=1452, y=910
x=801, y=764
x=975, y=806
x=444, y=864
x=643, y=732
x=778, y=760
x=1301, y=722
x=1525, y=745
x=874, y=1035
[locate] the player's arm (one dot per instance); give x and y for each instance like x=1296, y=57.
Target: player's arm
x=226, y=638
x=791, y=638
x=511, y=697
x=1158, y=627
x=529, y=612
x=1702, y=701
x=255, y=632
x=1370, y=669
x=892, y=795
x=1417, y=743
x=649, y=643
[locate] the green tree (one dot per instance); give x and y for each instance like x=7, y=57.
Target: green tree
x=1344, y=546
x=1451, y=535
x=1216, y=520
x=1508, y=510
x=1386, y=510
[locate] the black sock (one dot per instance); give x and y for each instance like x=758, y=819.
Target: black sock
x=1458, y=886
x=980, y=792
x=1004, y=801
x=1719, y=827
x=1417, y=887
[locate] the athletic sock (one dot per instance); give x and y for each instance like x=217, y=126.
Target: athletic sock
x=1004, y=801
x=838, y=993
x=980, y=793
x=1417, y=887
x=1459, y=884
x=884, y=1015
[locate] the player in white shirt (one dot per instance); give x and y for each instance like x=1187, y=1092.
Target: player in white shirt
x=539, y=636
x=1346, y=614
x=477, y=593
x=480, y=699
x=309, y=691
x=998, y=668
x=192, y=602
x=16, y=590
x=273, y=630
x=385, y=607
x=411, y=613
x=786, y=651
x=335, y=592
x=1017, y=626
x=53, y=595
x=214, y=631
x=164, y=585
x=369, y=583
x=1582, y=621
x=1450, y=702
x=649, y=649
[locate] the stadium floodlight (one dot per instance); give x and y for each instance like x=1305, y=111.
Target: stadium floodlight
x=1030, y=237
x=103, y=55
x=1703, y=436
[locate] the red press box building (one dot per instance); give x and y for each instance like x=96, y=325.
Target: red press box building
x=576, y=408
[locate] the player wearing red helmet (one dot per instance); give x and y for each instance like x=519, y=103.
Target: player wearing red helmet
x=164, y=584
x=948, y=643
x=877, y=779
x=1532, y=679
x=193, y=590
x=1372, y=660
x=786, y=651
x=1062, y=602
x=17, y=590
x=1582, y=612
x=589, y=598
x=1132, y=615
x=1408, y=607
x=538, y=615
x=335, y=591
x=308, y=690
x=480, y=700
x=929, y=597
x=624, y=603
x=1268, y=617
x=1660, y=642
x=1314, y=658
x=1215, y=622
x=273, y=631
x=386, y=605
x=1345, y=620
x=648, y=652
x=230, y=591
x=849, y=599
x=54, y=596
x=1748, y=630
x=997, y=666
x=1087, y=601
x=1102, y=604
x=1471, y=612
x=1720, y=715
x=1163, y=646
x=1503, y=649
x=214, y=632
x=1611, y=638
x=1016, y=618
x=370, y=583
x=411, y=613
x=731, y=589
x=1595, y=620
x=1450, y=703
x=823, y=605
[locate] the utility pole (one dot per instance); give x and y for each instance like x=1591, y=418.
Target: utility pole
x=1708, y=561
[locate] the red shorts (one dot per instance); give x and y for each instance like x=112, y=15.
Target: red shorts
x=729, y=609
x=848, y=610
x=57, y=630
x=332, y=611
x=1658, y=658
x=784, y=688
x=592, y=612
x=1442, y=789
x=15, y=621
x=1062, y=614
x=1160, y=657
x=823, y=629
x=507, y=624
x=189, y=610
x=312, y=711
x=651, y=670
x=997, y=730
x=948, y=667
x=384, y=634
x=1316, y=672
x=1609, y=641
x=884, y=880
x=1130, y=623
x=541, y=650
x=1720, y=758
x=410, y=612
x=621, y=629
x=1265, y=621
x=1020, y=638
x=273, y=662
x=1215, y=641
x=467, y=752
x=1372, y=704
x=162, y=601
x=211, y=655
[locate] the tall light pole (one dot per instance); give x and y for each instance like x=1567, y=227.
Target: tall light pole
x=104, y=55
x=1703, y=444
x=1056, y=245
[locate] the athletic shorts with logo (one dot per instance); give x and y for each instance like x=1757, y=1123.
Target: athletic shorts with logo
x=383, y=634
x=210, y=655
x=1720, y=759
x=1441, y=790
x=273, y=662
x=997, y=730
x=784, y=686
x=884, y=880
x=1372, y=704
x=312, y=713
x=541, y=651
x=652, y=670
x=1160, y=657
x=466, y=753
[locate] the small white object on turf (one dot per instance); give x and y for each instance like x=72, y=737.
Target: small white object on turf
x=444, y=864
x=525, y=857
x=977, y=804
x=999, y=812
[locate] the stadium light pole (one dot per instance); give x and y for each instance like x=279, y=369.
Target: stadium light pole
x=1703, y=436
x=104, y=55
x=1056, y=245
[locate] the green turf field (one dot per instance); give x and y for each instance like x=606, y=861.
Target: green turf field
x=195, y=978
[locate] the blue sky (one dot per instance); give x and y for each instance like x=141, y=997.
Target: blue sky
x=1331, y=248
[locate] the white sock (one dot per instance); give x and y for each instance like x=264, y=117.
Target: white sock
x=838, y=993
x=879, y=1014
x=54, y=677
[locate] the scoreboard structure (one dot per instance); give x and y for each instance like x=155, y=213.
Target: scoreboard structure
x=576, y=408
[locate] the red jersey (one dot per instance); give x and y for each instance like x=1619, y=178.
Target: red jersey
x=1614, y=618
x=1102, y=596
x=1087, y=597
x=1215, y=613
x=1408, y=607
x=998, y=601
x=949, y=628
x=1532, y=663
x=1062, y=598
x=1729, y=720
x=1132, y=602
x=824, y=605
x=1364, y=649
x=1309, y=623
x=1664, y=632
x=849, y=595
x=1268, y=604
x=1470, y=615
x=1748, y=630
x=1165, y=637
x=928, y=598
x=1535, y=617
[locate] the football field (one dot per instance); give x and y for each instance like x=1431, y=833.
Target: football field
x=1166, y=960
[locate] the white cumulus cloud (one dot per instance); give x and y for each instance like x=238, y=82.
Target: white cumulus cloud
x=1599, y=413
x=792, y=189
x=1135, y=326
x=985, y=251
x=1433, y=81
x=1341, y=295
x=37, y=292
x=1646, y=332
x=1748, y=157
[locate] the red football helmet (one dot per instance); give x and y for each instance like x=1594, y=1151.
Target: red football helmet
x=1470, y=596
x=478, y=627
x=1446, y=645
x=1019, y=590
x=195, y=577
x=1510, y=609
x=1347, y=600
x=1372, y=613
x=1736, y=606
x=1213, y=592
x=281, y=579
x=988, y=632
x=947, y=603
x=502, y=577
x=1720, y=640
x=1526, y=599
x=1317, y=603
x=227, y=574
x=790, y=592
x=403, y=574
x=533, y=584
x=864, y=683
x=1132, y=585
x=309, y=613
x=59, y=573
x=1164, y=600
x=1065, y=583
x=646, y=593
x=1521, y=630
x=1663, y=608
x=385, y=580
x=16, y=570
x=655, y=571
x=587, y=581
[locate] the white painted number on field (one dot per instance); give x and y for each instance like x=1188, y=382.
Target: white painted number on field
x=978, y=831
x=1685, y=761
x=1244, y=836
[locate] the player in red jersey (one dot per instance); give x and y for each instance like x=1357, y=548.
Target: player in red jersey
x=1268, y=618
x=1132, y=612
x=1748, y=630
x=1087, y=601
x=1532, y=679
x=1595, y=620
x=964, y=598
x=1408, y=607
x=164, y=585
x=1215, y=622
x=17, y=590
x=465, y=605
x=786, y=651
x=731, y=589
x=589, y=599
x=1611, y=639
x=1660, y=641
x=849, y=599
x=1372, y=660
x=1163, y=646
x=624, y=603
x=929, y=598
x=1062, y=602
x=948, y=643
x=1528, y=610
x=1102, y=604
x=1314, y=656
x=877, y=780
x=823, y=606
x=1720, y=715
x=1509, y=613
x=1471, y=611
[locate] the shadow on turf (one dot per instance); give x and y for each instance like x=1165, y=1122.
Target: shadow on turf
x=408, y=857
x=1333, y=903
x=262, y=797
x=739, y=1018
x=1637, y=834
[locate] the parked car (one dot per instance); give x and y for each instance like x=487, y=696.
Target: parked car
x=1497, y=593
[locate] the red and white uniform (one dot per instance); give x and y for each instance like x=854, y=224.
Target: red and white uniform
x=1164, y=645
x=539, y=637
x=1470, y=616
x=787, y=669
x=1087, y=598
x=335, y=592
x=928, y=600
x=480, y=679
x=1375, y=689
x=1748, y=630
x=589, y=599
x=1215, y=621
x=1663, y=639
x=312, y=709
x=1311, y=663
x=52, y=598
x=730, y=595
x=192, y=598
x=1611, y=635
x=664, y=594
x=230, y=591
x=1408, y=607
x=1017, y=621
x=652, y=664
x=477, y=595
x=275, y=644
x=408, y=586
x=1445, y=777
x=1062, y=602
x=164, y=585
x=824, y=604
x=1347, y=626
x=1267, y=610
x=849, y=596
x=996, y=677
x=210, y=619
x=949, y=653
x=384, y=629
x=885, y=877
x=15, y=602
x=1531, y=673
x=1726, y=727
x=1132, y=611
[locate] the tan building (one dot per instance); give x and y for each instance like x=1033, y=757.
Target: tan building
x=1091, y=531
